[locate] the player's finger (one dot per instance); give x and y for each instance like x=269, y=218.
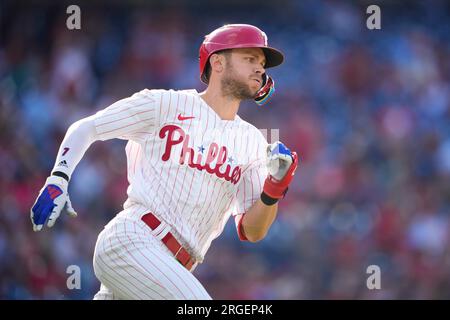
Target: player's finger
x=35, y=216
x=273, y=147
x=269, y=149
x=281, y=156
x=70, y=210
x=35, y=226
x=286, y=158
x=32, y=215
x=53, y=216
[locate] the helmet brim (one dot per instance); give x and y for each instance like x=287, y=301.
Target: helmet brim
x=274, y=57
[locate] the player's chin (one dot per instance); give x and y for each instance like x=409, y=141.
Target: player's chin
x=250, y=92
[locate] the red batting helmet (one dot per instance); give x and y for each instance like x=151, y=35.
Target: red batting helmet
x=232, y=36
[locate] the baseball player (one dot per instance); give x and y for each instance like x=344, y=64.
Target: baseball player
x=192, y=163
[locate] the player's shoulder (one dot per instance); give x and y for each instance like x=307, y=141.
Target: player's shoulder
x=166, y=93
x=154, y=94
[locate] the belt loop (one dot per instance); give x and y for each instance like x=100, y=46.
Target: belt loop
x=161, y=231
x=178, y=251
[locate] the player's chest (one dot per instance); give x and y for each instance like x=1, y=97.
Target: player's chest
x=222, y=151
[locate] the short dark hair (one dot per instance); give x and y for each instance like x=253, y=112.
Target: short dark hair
x=207, y=73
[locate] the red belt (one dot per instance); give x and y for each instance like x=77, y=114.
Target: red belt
x=171, y=243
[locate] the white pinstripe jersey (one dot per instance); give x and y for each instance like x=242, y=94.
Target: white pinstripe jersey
x=186, y=165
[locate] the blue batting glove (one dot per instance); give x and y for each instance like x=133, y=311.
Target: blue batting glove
x=51, y=200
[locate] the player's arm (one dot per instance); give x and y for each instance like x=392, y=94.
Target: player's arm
x=257, y=221
x=122, y=119
x=54, y=196
x=281, y=164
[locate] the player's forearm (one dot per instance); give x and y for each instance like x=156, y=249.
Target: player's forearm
x=258, y=219
x=79, y=137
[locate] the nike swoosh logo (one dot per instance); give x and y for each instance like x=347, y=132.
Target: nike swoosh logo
x=181, y=118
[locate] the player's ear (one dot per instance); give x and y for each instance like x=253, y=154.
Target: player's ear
x=217, y=62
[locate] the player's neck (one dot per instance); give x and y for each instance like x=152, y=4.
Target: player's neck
x=225, y=107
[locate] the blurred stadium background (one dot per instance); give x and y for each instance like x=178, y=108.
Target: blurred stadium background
x=368, y=111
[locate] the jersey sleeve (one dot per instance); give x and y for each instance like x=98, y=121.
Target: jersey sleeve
x=251, y=186
x=128, y=118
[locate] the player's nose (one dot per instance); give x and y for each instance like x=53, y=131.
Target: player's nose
x=260, y=70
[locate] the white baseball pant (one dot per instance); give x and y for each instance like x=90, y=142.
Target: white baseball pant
x=131, y=263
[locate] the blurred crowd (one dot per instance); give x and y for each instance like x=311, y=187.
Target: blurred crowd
x=368, y=111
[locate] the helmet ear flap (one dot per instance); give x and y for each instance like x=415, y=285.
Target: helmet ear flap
x=266, y=90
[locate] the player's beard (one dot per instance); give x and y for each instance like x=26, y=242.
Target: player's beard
x=234, y=87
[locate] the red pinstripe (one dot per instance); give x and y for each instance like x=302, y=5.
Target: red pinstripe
x=141, y=132
x=186, y=169
x=118, y=283
x=175, y=213
x=129, y=125
x=248, y=189
x=119, y=276
x=218, y=215
x=118, y=104
x=138, y=148
x=239, y=151
x=259, y=184
x=193, y=210
x=161, y=146
x=227, y=196
x=160, y=108
x=251, y=186
x=229, y=205
x=203, y=180
x=129, y=148
x=209, y=216
x=109, y=114
x=174, y=271
x=137, y=270
x=127, y=117
x=244, y=181
x=142, y=273
x=153, y=264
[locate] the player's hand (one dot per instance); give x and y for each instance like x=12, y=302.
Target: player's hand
x=53, y=197
x=281, y=164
